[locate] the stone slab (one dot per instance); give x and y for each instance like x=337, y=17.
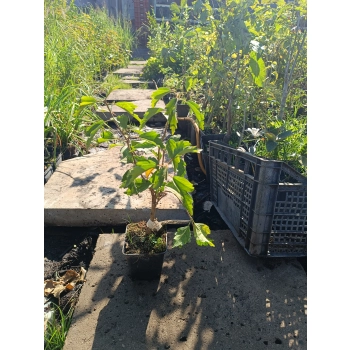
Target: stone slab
x=143, y=63
x=85, y=191
x=130, y=95
x=136, y=66
x=136, y=82
x=140, y=110
x=129, y=71
x=206, y=299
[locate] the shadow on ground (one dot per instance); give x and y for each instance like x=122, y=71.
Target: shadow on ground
x=206, y=298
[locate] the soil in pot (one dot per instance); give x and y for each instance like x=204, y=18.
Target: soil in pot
x=144, y=251
x=139, y=239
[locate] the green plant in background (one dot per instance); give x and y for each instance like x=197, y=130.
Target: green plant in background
x=244, y=65
x=281, y=140
x=79, y=49
x=162, y=168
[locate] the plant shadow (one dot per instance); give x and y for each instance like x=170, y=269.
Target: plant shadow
x=206, y=298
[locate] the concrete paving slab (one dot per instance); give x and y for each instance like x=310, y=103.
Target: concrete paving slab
x=136, y=66
x=206, y=299
x=85, y=191
x=143, y=63
x=130, y=77
x=129, y=71
x=140, y=110
x=130, y=95
x=136, y=83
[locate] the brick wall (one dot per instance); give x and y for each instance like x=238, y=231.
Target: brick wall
x=141, y=7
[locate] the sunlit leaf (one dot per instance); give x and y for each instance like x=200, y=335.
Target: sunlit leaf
x=182, y=236
x=159, y=94
x=87, y=101
x=201, y=231
x=196, y=110
x=148, y=115
x=154, y=137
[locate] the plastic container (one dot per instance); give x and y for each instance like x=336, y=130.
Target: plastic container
x=143, y=266
x=263, y=202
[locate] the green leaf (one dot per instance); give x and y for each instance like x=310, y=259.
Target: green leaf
x=130, y=176
x=284, y=135
x=147, y=164
x=158, y=178
x=171, y=187
x=154, y=137
x=181, y=168
x=158, y=94
x=170, y=111
x=183, y=184
x=197, y=6
x=149, y=114
x=196, y=110
x=189, y=33
x=201, y=231
x=139, y=144
x=182, y=236
x=185, y=187
x=254, y=67
x=122, y=121
x=126, y=154
x=258, y=69
x=270, y=136
x=170, y=106
x=106, y=136
x=87, y=101
x=139, y=185
x=174, y=8
x=188, y=83
x=92, y=130
x=129, y=107
x=179, y=148
x=271, y=145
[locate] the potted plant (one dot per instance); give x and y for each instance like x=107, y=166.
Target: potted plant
x=158, y=167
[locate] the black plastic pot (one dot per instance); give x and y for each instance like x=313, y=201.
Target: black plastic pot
x=145, y=267
x=51, y=167
x=204, y=140
x=48, y=172
x=182, y=110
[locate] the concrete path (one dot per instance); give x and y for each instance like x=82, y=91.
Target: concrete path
x=130, y=95
x=129, y=71
x=85, y=191
x=206, y=299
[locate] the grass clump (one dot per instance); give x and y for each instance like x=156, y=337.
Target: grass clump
x=80, y=48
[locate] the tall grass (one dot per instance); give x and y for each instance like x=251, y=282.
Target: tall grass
x=80, y=47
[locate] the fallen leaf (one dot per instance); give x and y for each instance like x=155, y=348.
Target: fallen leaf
x=69, y=276
x=82, y=274
x=70, y=286
x=58, y=290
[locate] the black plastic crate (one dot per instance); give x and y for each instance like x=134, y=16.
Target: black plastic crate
x=263, y=202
